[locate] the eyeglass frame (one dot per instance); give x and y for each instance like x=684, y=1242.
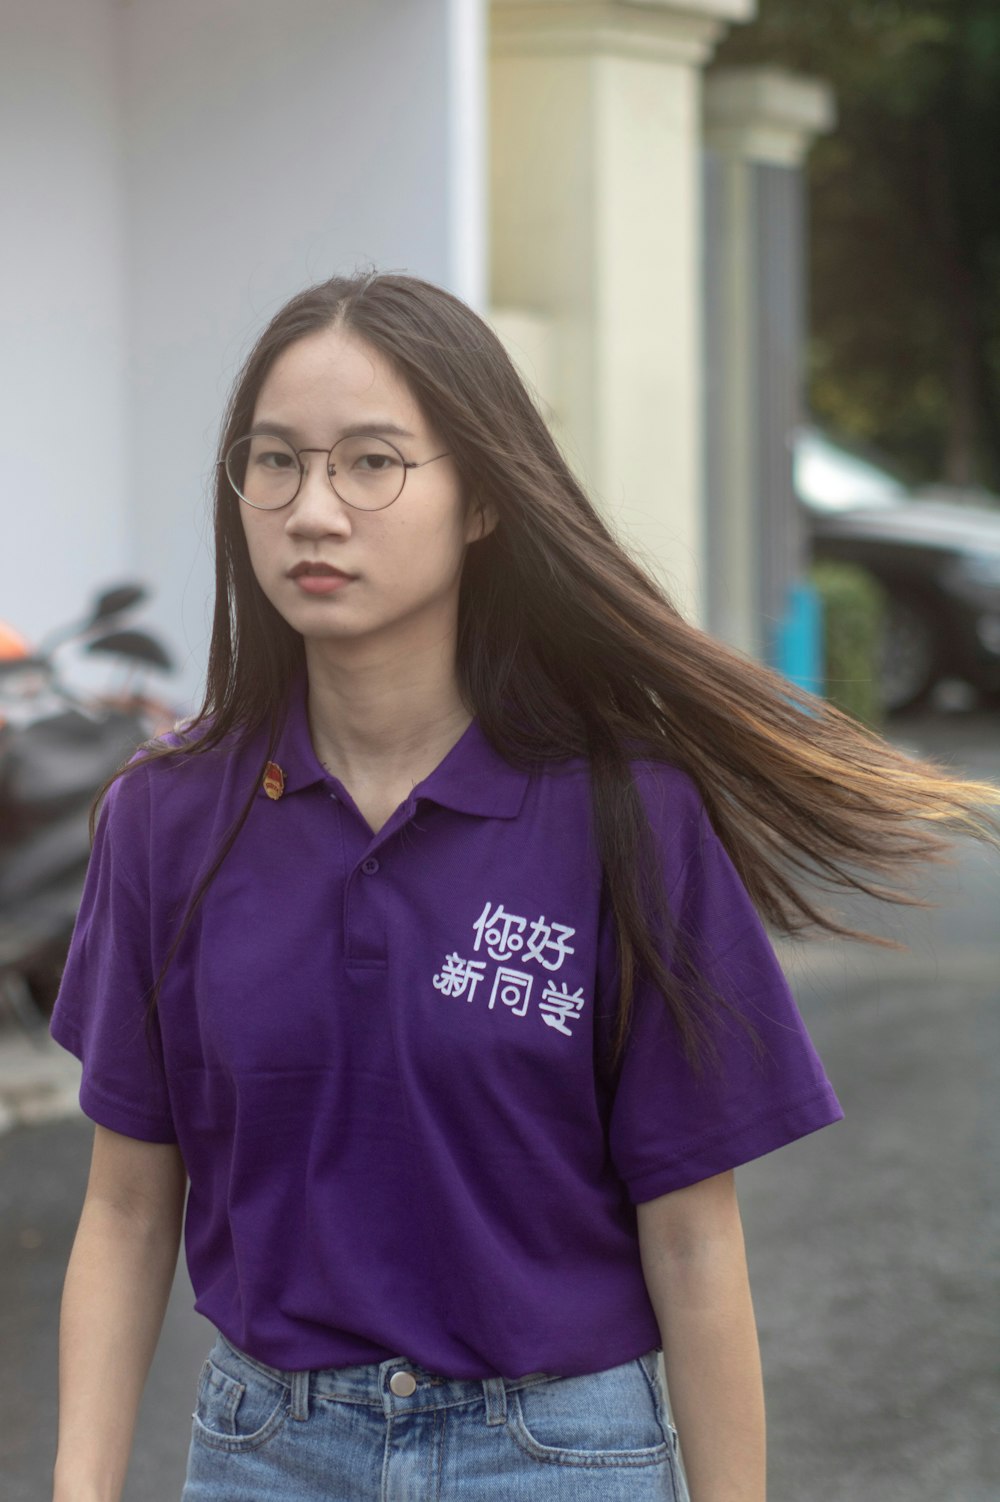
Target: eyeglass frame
x=406, y=463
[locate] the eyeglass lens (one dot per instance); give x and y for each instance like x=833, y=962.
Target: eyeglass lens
x=366, y=472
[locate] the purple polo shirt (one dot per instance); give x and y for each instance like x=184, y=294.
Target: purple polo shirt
x=385, y=1058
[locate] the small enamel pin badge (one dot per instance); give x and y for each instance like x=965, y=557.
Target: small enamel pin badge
x=274, y=780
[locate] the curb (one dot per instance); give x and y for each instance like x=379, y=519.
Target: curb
x=39, y=1080
x=818, y=965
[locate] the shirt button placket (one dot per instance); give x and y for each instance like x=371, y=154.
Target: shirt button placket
x=364, y=915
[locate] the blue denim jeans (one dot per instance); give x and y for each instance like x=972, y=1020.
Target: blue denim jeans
x=394, y=1432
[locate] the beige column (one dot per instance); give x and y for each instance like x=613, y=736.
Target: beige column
x=595, y=171
x=752, y=117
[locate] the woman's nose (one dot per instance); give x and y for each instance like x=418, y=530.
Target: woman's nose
x=317, y=508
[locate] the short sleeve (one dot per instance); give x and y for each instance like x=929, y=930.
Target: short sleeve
x=671, y=1125
x=99, y=1013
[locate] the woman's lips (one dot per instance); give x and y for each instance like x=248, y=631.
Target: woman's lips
x=321, y=584
x=318, y=578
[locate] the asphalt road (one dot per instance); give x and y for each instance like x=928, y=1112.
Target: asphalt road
x=874, y=1246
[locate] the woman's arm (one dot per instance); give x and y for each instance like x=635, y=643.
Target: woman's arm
x=694, y=1264
x=118, y=1280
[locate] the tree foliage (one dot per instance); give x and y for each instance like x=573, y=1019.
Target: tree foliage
x=904, y=197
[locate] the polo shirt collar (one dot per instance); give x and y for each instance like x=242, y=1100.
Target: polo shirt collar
x=475, y=779
x=472, y=778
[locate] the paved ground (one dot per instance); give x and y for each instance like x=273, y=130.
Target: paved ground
x=874, y=1246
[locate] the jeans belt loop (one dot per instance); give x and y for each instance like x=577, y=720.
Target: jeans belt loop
x=300, y=1395
x=495, y=1393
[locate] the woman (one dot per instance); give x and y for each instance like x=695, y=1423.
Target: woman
x=430, y=953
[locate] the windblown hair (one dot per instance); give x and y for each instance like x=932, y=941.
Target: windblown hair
x=567, y=647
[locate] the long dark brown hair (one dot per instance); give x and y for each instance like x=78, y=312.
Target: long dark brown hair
x=567, y=647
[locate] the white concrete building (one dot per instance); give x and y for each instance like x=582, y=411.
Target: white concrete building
x=172, y=170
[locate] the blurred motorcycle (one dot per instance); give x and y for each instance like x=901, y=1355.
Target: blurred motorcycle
x=58, y=745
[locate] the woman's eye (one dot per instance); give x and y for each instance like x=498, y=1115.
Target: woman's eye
x=374, y=463
x=273, y=459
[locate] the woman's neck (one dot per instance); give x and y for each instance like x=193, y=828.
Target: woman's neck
x=387, y=721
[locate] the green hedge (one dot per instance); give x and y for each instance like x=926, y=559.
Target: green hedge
x=853, y=613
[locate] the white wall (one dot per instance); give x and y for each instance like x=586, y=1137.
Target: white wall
x=263, y=147
x=268, y=146
x=62, y=337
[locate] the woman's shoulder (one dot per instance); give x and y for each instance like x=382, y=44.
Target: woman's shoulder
x=669, y=791
x=663, y=783
x=185, y=769
x=670, y=795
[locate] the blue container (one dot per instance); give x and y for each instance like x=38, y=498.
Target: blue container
x=797, y=643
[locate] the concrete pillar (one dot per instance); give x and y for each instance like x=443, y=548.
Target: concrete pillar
x=595, y=184
x=759, y=124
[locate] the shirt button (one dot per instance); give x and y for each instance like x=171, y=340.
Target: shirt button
x=403, y=1384
x=369, y=867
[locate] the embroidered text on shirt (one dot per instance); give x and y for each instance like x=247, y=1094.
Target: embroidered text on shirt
x=504, y=936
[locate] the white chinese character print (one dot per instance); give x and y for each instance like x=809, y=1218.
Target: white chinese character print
x=540, y=939
x=558, y=1007
x=503, y=932
x=511, y=986
x=458, y=974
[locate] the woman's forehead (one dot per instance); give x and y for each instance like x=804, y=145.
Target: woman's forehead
x=334, y=376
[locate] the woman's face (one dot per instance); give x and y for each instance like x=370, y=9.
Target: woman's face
x=337, y=574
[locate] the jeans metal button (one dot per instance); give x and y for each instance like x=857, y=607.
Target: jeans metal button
x=403, y=1384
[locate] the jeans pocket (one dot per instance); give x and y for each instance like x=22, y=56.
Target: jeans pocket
x=612, y=1417
x=237, y=1406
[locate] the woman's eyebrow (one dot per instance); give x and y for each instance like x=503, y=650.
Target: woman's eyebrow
x=352, y=430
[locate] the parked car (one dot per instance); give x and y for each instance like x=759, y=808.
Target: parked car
x=938, y=562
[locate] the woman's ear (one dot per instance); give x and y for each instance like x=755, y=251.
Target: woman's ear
x=481, y=518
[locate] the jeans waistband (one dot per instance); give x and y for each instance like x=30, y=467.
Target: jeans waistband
x=370, y=1385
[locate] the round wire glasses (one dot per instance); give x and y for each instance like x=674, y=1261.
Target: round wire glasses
x=366, y=472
